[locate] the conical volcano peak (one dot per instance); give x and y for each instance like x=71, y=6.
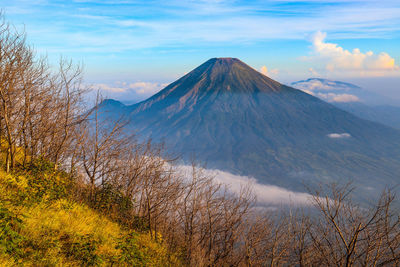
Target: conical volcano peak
x=217, y=77
x=231, y=75
x=237, y=119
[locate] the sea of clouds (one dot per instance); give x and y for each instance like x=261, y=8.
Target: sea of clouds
x=266, y=195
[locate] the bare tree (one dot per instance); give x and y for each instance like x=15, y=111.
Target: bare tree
x=211, y=220
x=38, y=109
x=18, y=73
x=101, y=149
x=348, y=235
x=67, y=87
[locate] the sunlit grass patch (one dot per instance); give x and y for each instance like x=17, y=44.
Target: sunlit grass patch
x=42, y=225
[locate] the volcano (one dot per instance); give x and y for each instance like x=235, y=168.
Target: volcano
x=234, y=118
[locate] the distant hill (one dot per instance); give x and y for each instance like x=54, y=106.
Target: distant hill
x=236, y=119
x=340, y=92
x=354, y=99
x=385, y=114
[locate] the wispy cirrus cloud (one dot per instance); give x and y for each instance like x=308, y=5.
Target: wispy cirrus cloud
x=112, y=36
x=160, y=23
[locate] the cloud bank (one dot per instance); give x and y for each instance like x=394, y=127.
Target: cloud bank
x=265, y=194
x=330, y=91
x=337, y=59
x=323, y=85
x=333, y=97
x=128, y=92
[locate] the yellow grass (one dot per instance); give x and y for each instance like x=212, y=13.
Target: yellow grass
x=62, y=232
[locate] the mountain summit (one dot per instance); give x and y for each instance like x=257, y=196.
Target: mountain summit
x=231, y=75
x=227, y=75
x=236, y=119
x=215, y=77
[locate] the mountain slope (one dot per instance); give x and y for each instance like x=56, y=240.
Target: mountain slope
x=236, y=119
x=388, y=115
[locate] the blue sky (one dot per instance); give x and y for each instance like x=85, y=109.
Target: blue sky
x=131, y=49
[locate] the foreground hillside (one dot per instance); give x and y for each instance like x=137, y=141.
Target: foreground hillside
x=41, y=224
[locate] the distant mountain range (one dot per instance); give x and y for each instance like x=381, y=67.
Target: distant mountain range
x=236, y=119
x=354, y=99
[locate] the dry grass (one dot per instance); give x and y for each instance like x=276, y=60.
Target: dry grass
x=54, y=232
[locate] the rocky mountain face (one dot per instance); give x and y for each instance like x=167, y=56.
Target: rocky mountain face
x=234, y=118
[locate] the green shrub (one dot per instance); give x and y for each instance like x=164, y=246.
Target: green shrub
x=10, y=239
x=83, y=249
x=46, y=183
x=131, y=253
x=111, y=201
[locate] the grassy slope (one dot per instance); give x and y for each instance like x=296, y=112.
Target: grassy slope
x=41, y=225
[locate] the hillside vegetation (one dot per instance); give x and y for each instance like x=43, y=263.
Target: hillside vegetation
x=42, y=224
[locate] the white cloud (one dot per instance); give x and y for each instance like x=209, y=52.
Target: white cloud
x=147, y=88
x=321, y=90
x=107, y=88
x=337, y=59
x=265, y=194
x=264, y=70
x=308, y=92
x=330, y=91
x=322, y=85
x=76, y=28
x=332, y=97
x=339, y=135
x=345, y=98
x=127, y=92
